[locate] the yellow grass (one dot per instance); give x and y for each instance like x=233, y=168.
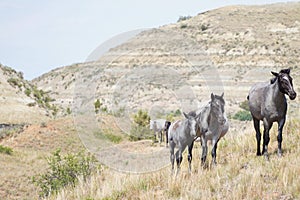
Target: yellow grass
x=240, y=174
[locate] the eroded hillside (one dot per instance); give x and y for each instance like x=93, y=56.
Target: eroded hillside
x=226, y=49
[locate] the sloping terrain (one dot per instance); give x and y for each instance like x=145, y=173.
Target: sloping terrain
x=227, y=49
x=164, y=69
x=18, y=101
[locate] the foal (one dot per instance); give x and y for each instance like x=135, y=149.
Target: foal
x=181, y=134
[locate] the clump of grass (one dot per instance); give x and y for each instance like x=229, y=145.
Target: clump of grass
x=6, y=150
x=107, y=134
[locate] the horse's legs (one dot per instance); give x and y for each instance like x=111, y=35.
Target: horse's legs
x=279, y=136
x=258, y=135
x=190, y=156
x=267, y=127
x=172, y=157
x=204, y=150
x=214, y=151
x=154, y=134
x=167, y=138
x=178, y=156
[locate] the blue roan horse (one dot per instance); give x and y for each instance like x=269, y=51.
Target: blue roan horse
x=213, y=125
x=267, y=102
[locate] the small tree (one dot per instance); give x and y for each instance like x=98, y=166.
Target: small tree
x=141, y=118
x=139, y=129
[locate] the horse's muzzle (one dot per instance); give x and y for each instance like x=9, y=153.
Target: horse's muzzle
x=292, y=95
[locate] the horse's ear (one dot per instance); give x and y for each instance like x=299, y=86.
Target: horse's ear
x=286, y=71
x=185, y=115
x=275, y=73
x=222, y=95
x=212, y=96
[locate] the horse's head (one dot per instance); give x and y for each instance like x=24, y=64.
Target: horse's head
x=192, y=123
x=152, y=124
x=217, y=107
x=285, y=82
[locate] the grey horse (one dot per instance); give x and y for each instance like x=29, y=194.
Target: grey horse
x=213, y=125
x=181, y=134
x=267, y=102
x=158, y=126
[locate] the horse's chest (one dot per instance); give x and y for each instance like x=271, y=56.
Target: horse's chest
x=273, y=112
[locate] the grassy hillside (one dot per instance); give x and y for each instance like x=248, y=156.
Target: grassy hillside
x=30, y=149
x=240, y=174
x=226, y=49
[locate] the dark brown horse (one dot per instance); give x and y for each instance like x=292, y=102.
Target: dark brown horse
x=267, y=102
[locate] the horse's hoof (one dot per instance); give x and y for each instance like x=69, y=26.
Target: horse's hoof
x=258, y=154
x=266, y=156
x=279, y=153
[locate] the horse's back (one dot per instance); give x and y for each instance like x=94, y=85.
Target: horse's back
x=173, y=130
x=157, y=124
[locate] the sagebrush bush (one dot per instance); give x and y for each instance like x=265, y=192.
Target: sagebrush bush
x=140, y=133
x=63, y=171
x=6, y=150
x=183, y=18
x=245, y=105
x=242, y=115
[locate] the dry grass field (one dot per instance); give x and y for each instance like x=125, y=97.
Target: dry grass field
x=240, y=174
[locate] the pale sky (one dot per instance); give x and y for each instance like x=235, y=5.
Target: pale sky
x=37, y=36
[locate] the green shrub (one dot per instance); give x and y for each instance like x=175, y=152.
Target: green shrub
x=141, y=118
x=183, y=26
x=69, y=111
x=172, y=115
x=242, y=115
x=15, y=82
x=6, y=150
x=27, y=91
x=97, y=105
x=245, y=105
x=204, y=27
x=183, y=18
x=138, y=132
x=63, y=171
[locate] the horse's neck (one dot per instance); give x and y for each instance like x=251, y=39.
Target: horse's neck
x=213, y=124
x=277, y=96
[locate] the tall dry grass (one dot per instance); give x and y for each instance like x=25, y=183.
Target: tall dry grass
x=240, y=174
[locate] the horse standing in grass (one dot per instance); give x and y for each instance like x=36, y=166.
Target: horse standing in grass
x=213, y=125
x=158, y=126
x=181, y=134
x=267, y=102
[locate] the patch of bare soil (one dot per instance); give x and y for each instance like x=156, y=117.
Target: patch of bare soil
x=30, y=149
